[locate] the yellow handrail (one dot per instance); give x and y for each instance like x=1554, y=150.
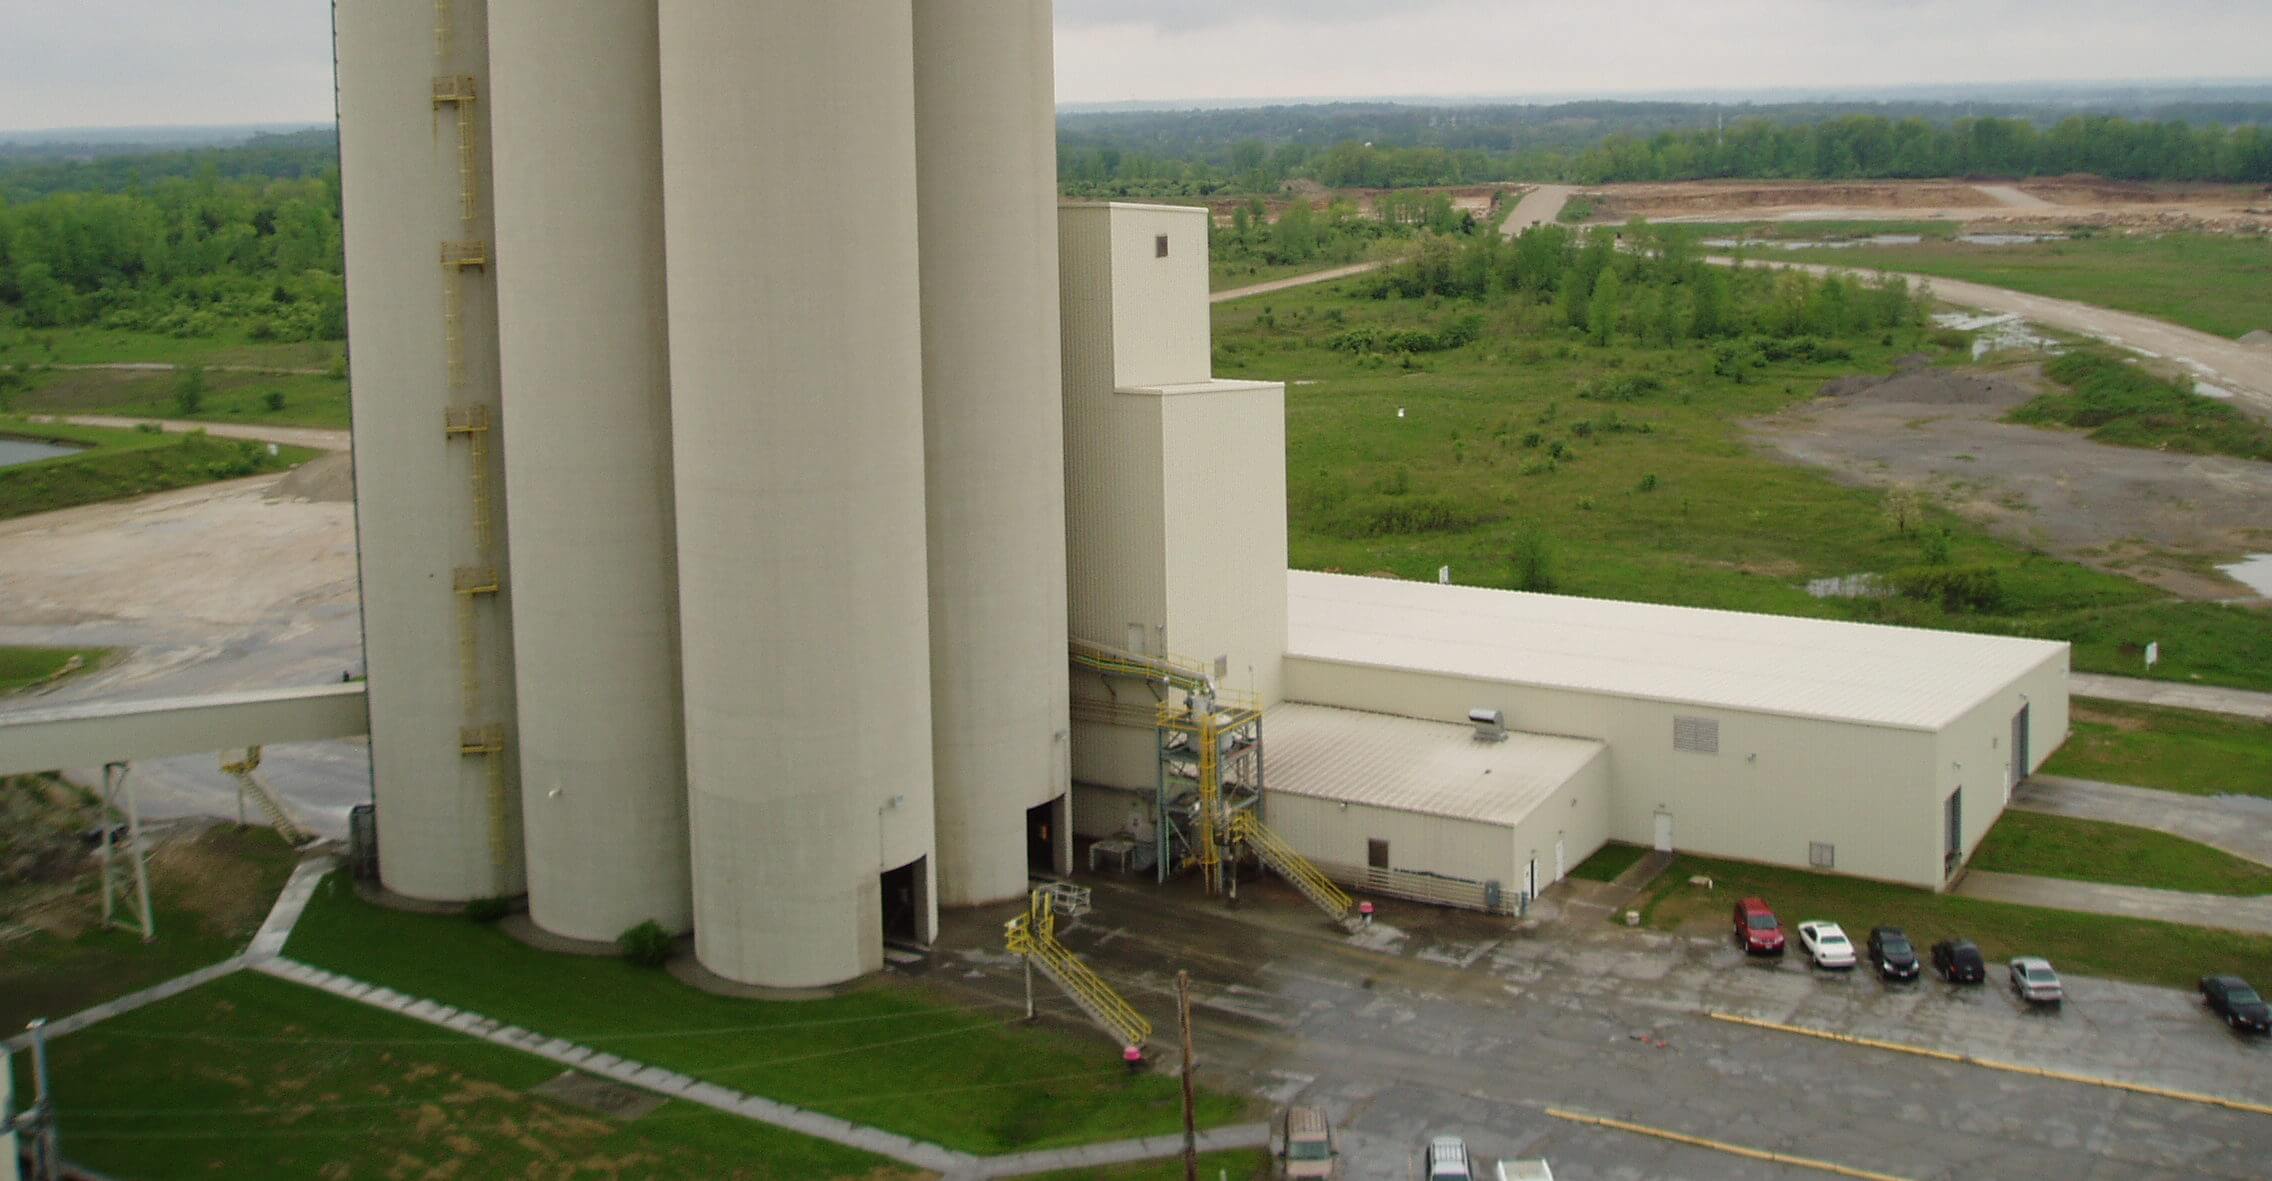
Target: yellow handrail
x=1291, y=865
x=1034, y=936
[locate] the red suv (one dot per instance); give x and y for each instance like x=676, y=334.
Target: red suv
x=1757, y=932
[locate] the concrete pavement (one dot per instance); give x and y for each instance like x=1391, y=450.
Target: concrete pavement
x=2239, y=825
x=2245, y=703
x=2252, y=915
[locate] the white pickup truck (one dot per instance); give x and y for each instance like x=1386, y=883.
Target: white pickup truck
x=1525, y=1170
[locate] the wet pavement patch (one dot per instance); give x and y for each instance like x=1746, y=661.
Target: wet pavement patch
x=613, y=1100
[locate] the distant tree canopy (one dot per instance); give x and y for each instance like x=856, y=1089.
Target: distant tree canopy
x=1658, y=292
x=1200, y=152
x=182, y=257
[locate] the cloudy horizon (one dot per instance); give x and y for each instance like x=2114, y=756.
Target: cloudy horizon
x=128, y=63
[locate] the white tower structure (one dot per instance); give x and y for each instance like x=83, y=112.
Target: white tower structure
x=585, y=349
x=1175, y=483
x=796, y=369
x=994, y=460
x=422, y=318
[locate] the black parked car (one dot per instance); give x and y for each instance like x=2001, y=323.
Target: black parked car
x=1891, y=954
x=2231, y=998
x=1958, y=962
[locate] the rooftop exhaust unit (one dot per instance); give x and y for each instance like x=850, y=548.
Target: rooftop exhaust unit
x=1490, y=724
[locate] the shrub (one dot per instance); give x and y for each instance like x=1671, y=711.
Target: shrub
x=1381, y=516
x=1939, y=546
x=1533, y=561
x=273, y=399
x=1649, y=482
x=1955, y=588
x=488, y=910
x=1622, y=389
x=646, y=945
x=189, y=390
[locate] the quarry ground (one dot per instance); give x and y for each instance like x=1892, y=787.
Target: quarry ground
x=238, y=585
x=1438, y=1022
x=2146, y=514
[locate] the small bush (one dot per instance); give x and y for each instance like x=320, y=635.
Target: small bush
x=1649, y=482
x=189, y=391
x=646, y=945
x=1955, y=588
x=1533, y=561
x=488, y=910
x=1621, y=389
x=273, y=399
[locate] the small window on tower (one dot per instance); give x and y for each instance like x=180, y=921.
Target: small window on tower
x=1160, y=246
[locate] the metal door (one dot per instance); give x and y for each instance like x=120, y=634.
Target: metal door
x=1561, y=864
x=2019, y=746
x=1664, y=832
x=1953, y=850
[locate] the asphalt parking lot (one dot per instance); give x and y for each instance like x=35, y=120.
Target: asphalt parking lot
x=1437, y=1021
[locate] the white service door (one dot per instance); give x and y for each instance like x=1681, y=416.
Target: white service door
x=1561, y=861
x=1664, y=832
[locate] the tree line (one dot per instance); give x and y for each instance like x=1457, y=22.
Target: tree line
x=1189, y=159
x=182, y=256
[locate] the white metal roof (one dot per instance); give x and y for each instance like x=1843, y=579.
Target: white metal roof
x=1435, y=768
x=1887, y=676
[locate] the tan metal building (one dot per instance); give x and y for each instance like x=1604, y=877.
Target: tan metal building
x=1882, y=752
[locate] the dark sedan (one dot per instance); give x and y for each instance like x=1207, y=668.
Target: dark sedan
x=2231, y=998
x=1891, y=954
x=1959, y=962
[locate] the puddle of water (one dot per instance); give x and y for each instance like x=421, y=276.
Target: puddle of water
x=1811, y=243
x=1851, y=586
x=2008, y=239
x=2253, y=572
x=2212, y=391
x=15, y=451
x=1995, y=334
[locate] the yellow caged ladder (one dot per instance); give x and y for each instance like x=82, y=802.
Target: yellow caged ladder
x=1034, y=936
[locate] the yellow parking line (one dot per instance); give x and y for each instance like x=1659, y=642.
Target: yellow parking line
x=1992, y=1064
x=1780, y=1158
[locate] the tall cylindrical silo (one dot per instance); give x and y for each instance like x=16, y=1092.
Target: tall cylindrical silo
x=422, y=338
x=994, y=455
x=583, y=335
x=797, y=416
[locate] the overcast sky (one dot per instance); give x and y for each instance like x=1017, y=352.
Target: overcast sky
x=77, y=63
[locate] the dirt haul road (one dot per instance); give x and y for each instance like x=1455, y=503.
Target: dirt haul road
x=2244, y=370
x=1538, y=207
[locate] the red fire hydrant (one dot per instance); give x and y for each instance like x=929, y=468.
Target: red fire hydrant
x=1365, y=913
x=1134, y=1057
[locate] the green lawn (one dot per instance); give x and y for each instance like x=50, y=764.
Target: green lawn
x=2172, y=749
x=210, y=893
x=251, y=1077
x=32, y=347
x=2118, y=401
x=1657, y=498
x=2049, y=846
x=976, y=1079
x=2143, y=950
x=309, y=399
x=1609, y=861
x=121, y=463
x=2217, y=283
x=23, y=667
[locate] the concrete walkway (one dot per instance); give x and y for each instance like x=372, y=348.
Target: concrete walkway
x=2239, y=825
x=1119, y=1152
x=2245, y=703
x=2252, y=915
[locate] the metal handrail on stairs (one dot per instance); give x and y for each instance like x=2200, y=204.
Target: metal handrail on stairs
x=271, y=806
x=1291, y=865
x=1034, y=936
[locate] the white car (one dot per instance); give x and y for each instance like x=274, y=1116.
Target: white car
x=2035, y=981
x=1826, y=944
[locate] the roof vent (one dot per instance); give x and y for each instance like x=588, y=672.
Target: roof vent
x=1490, y=724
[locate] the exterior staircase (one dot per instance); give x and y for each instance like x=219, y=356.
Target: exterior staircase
x=270, y=805
x=1248, y=829
x=1034, y=936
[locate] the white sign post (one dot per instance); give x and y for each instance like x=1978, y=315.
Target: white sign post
x=2153, y=653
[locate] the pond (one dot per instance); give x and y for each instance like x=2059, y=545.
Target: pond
x=2253, y=572
x=15, y=451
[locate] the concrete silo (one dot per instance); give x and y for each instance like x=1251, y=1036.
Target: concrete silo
x=796, y=406
x=578, y=161
x=994, y=460
x=414, y=165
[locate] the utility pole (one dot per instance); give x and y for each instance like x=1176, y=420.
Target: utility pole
x=1190, y=1129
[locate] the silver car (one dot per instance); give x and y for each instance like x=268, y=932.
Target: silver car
x=2035, y=982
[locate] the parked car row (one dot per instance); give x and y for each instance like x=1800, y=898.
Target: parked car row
x=1307, y=1149
x=1958, y=961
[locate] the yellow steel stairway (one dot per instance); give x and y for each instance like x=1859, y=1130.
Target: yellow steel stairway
x=1247, y=829
x=1034, y=936
x=270, y=806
